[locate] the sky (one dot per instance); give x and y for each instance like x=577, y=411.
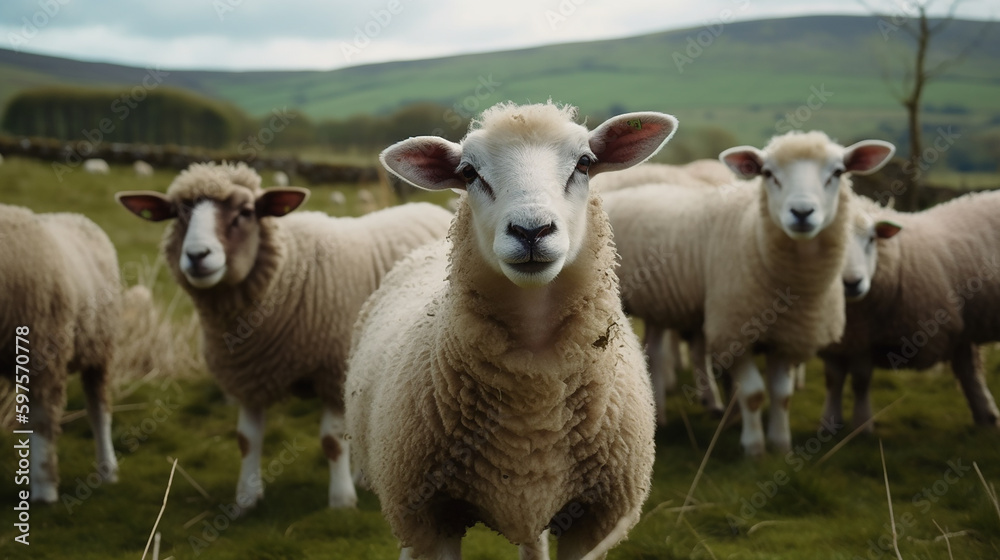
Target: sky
x=323, y=35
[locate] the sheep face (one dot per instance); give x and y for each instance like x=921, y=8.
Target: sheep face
x=527, y=171
x=802, y=175
x=219, y=237
x=861, y=258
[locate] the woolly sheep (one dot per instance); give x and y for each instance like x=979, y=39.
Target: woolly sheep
x=59, y=280
x=663, y=346
x=338, y=198
x=142, y=169
x=277, y=296
x=925, y=289
x=97, y=166
x=366, y=201
x=751, y=265
x=494, y=377
x=280, y=178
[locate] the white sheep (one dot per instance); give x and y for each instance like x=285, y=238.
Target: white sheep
x=338, y=198
x=277, y=296
x=59, y=309
x=280, y=179
x=142, y=169
x=662, y=346
x=752, y=265
x=493, y=377
x=925, y=289
x=96, y=166
x=366, y=202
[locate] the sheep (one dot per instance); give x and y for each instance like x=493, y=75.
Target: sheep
x=59, y=296
x=754, y=265
x=663, y=346
x=517, y=389
x=142, y=169
x=277, y=296
x=280, y=179
x=366, y=202
x=924, y=288
x=338, y=198
x=96, y=166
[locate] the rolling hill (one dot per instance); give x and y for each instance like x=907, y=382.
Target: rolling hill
x=753, y=78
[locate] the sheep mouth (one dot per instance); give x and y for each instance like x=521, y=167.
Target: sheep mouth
x=204, y=278
x=530, y=267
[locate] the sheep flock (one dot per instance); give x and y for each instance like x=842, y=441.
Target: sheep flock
x=475, y=362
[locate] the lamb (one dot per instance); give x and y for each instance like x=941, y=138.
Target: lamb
x=518, y=390
x=366, y=201
x=96, y=166
x=663, y=346
x=925, y=289
x=280, y=178
x=142, y=169
x=338, y=198
x=753, y=265
x=59, y=292
x=277, y=296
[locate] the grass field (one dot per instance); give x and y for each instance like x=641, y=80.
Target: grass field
x=780, y=507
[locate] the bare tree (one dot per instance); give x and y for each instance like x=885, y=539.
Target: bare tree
x=917, y=73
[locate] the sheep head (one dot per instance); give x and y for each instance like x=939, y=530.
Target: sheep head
x=803, y=173
x=861, y=257
x=218, y=212
x=526, y=170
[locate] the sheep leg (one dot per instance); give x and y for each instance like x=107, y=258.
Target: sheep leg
x=861, y=380
x=538, y=550
x=99, y=414
x=967, y=363
x=781, y=387
x=250, y=434
x=704, y=376
x=658, y=370
x=335, y=447
x=835, y=372
x=44, y=461
x=447, y=548
x=750, y=393
x=799, y=374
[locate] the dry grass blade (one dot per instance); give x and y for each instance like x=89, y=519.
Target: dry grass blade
x=690, y=431
x=946, y=541
x=708, y=453
x=616, y=534
x=991, y=493
x=762, y=524
x=856, y=431
x=166, y=495
x=701, y=541
x=197, y=486
x=888, y=496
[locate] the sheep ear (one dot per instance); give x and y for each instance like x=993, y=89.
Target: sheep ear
x=148, y=205
x=426, y=162
x=867, y=156
x=885, y=229
x=630, y=139
x=280, y=201
x=745, y=161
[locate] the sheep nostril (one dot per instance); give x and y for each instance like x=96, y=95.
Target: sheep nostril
x=801, y=215
x=196, y=256
x=531, y=235
x=852, y=286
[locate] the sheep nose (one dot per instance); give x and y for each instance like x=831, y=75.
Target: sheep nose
x=197, y=255
x=852, y=287
x=801, y=215
x=530, y=236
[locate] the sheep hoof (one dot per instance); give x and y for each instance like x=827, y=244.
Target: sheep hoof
x=46, y=494
x=754, y=450
x=781, y=447
x=247, y=498
x=343, y=502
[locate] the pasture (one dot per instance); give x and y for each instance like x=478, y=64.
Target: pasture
x=816, y=502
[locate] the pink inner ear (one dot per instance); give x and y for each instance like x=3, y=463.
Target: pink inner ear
x=864, y=158
x=626, y=142
x=148, y=207
x=278, y=203
x=744, y=163
x=886, y=230
x=424, y=162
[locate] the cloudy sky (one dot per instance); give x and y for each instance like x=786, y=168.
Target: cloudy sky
x=317, y=34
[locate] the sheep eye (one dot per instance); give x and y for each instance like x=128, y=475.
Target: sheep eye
x=246, y=212
x=766, y=173
x=469, y=174
x=838, y=172
x=583, y=165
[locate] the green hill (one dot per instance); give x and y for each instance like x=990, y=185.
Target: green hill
x=745, y=77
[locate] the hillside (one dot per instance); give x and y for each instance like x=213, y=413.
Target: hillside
x=743, y=76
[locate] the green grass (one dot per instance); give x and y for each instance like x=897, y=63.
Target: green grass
x=774, y=508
